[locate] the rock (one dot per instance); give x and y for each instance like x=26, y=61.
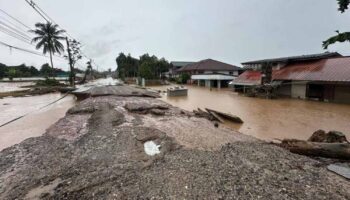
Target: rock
x=336, y=137
x=157, y=112
x=330, y=137
x=134, y=107
x=318, y=136
x=216, y=125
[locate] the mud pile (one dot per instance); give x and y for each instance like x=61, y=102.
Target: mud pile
x=97, y=152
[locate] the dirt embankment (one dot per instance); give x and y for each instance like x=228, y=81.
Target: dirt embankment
x=97, y=152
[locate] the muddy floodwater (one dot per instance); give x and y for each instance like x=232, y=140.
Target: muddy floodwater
x=38, y=116
x=268, y=119
x=13, y=86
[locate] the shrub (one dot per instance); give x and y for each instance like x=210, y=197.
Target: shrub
x=183, y=78
x=48, y=82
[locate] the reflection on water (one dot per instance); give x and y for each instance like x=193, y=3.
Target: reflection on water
x=36, y=122
x=268, y=119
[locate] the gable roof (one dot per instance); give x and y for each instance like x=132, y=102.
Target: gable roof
x=333, y=69
x=248, y=77
x=296, y=58
x=210, y=65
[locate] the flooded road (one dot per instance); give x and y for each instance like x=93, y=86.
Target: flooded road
x=13, y=86
x=38, y=117
x=268, y=119
x=40, y=112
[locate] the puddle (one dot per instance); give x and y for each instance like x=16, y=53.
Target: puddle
x=37, y=192
x=151, y=148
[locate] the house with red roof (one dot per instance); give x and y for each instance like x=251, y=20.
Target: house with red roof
x=324, y=77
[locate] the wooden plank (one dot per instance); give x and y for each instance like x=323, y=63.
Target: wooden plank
x=230, y=117
x=217, y=117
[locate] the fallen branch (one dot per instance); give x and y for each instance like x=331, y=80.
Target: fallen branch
x=328, y=150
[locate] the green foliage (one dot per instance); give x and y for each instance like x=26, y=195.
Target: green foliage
x=3, y=70
x=127, y=65
x=11, y=73
x=343, y=5
x=48, y=82
x=147, y=70
x=28, y=71
x=46, y=70
x=48, y=38
x=148, y=67
x=341, y=37
x=183, y=78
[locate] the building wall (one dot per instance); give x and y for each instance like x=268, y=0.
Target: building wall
x=342, y=94
x=208, y=83
x=284, y=90
x=235, y=73
x=298, y=90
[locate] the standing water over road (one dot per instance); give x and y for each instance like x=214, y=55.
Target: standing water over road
x=268, y=119
x=36, y=122
x=38, y=116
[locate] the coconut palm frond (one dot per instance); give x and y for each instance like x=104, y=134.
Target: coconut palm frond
x=48, y=38
x=40, y=44
x=45, y=49
x=58, y=37
x=59, y=47
x=341, y=37
x=58, y=32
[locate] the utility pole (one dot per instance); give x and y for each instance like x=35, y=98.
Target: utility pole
x=71, y=76
x=91, y=69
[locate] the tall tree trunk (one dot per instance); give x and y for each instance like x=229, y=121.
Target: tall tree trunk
x=53, y=71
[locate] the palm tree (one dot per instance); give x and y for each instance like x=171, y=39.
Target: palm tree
x=48, y=38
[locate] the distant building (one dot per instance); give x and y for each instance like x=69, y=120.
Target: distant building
x=278, y=63
x=211, y=73
x=324, y=77
x=175, y=66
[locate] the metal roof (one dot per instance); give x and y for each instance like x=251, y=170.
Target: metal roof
x=210, y=65
x=333, y=69
x=248, y=78
x=181, y=63
x=296, y=58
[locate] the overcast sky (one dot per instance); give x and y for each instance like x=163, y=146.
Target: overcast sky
x=231, y=31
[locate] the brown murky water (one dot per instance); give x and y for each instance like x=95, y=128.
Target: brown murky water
x=35, y=122
x=268, y=119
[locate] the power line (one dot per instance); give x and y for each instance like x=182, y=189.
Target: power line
x=25, y=50
x=22, y=49
x=13, y=24
x=47, y=18
x=15, y=30
x=33, y=5
x=14, y=35
x=18, y=21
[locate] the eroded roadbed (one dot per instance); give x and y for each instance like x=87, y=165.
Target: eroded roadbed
x=97, y=152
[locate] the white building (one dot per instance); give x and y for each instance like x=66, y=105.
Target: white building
x=211, y=73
